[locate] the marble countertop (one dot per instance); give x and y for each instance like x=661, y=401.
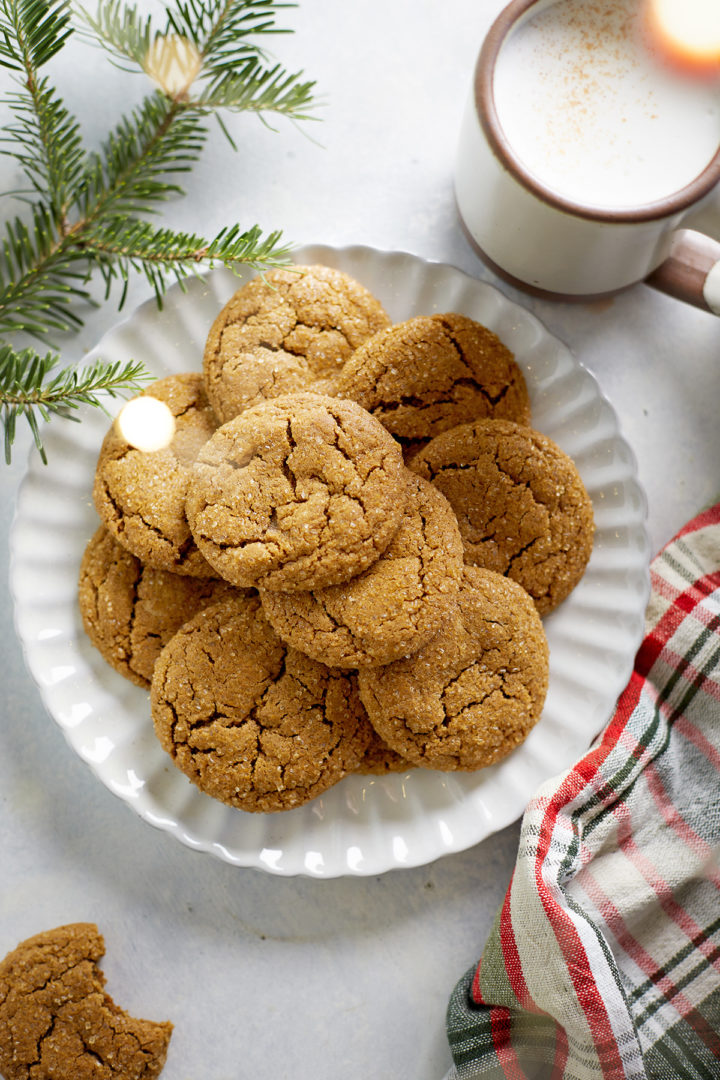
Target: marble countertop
x=265, y=976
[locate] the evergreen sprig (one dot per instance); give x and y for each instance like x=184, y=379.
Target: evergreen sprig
x=134, y=168
x=122, y=246
x=45, y=140
x=87, y=211
x=233, y=71
x=31, y=385
x=32, y=32
x=40, y=278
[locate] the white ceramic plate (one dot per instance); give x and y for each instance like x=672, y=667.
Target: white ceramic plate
x=364, y=825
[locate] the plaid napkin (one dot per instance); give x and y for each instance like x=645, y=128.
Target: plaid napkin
x=604, y=960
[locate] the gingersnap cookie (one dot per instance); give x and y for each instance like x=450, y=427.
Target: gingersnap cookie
x=250, y=721
x=130, y=611
x=140, y=496
x=296, y=493
x=56, y=1019
x=430, y=373
x=284, y=331
x=475, y=691
x=391, y=609
x=520, y=502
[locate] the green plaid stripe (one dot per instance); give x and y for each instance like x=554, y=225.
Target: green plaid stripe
x=679, y=957
x=682, y=1053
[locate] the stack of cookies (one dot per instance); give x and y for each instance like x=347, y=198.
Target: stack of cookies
x=341, y=561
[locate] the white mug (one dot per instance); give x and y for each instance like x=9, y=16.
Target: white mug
x=540, y=203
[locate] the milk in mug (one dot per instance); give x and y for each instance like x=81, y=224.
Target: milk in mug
x=593, y=111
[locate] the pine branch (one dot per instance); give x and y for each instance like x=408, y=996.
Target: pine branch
x=43, y=271
x=121, y=246
x=217, y=28
x=41, y=277
x=37, y=281
x=257, y=89
x=29, y=389
x=32, y=32
x=44, y=268
x=220, y=29
x=45, y=135
x=86, y=211
x=45, y=140
x=206, y=42
x=119, y=28
x=160, y=139
x=127, y=177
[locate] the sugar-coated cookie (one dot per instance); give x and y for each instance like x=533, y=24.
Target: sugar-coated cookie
x=283, y=332
x=58, y=1021
x=432, y=372
x=250, y=721
x=475, y=691
x=140, y=495
x=130, y=611
x=299, y=492
x=520, y=502
x=391, y=609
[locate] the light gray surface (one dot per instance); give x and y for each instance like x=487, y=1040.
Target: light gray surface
x=265, y=976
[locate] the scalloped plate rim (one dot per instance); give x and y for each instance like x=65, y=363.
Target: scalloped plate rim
x=388, y=858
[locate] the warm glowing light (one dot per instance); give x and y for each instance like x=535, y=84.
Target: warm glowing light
x=146, y=423
x=174, y=63
x=689, y=31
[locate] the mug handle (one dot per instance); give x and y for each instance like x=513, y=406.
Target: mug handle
x=691, y=272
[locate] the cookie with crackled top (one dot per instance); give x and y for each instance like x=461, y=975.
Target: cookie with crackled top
x=140, y=495
x=520, y=501
x=299, y=492
x=474, y=692
x=130, y=611
x=57, y=1020
x=432, y=372
x=391, y=609
x=286, y=331
x=251, y=721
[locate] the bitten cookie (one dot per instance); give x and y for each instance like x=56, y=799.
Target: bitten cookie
x=475, y=691
x=56, y=1020
x=284, y=331
x=430, y=373
x=140, y=496
x=520, y=502
x=297, y=493
x=391, y=609
x=130, y=611
x=250, y=721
